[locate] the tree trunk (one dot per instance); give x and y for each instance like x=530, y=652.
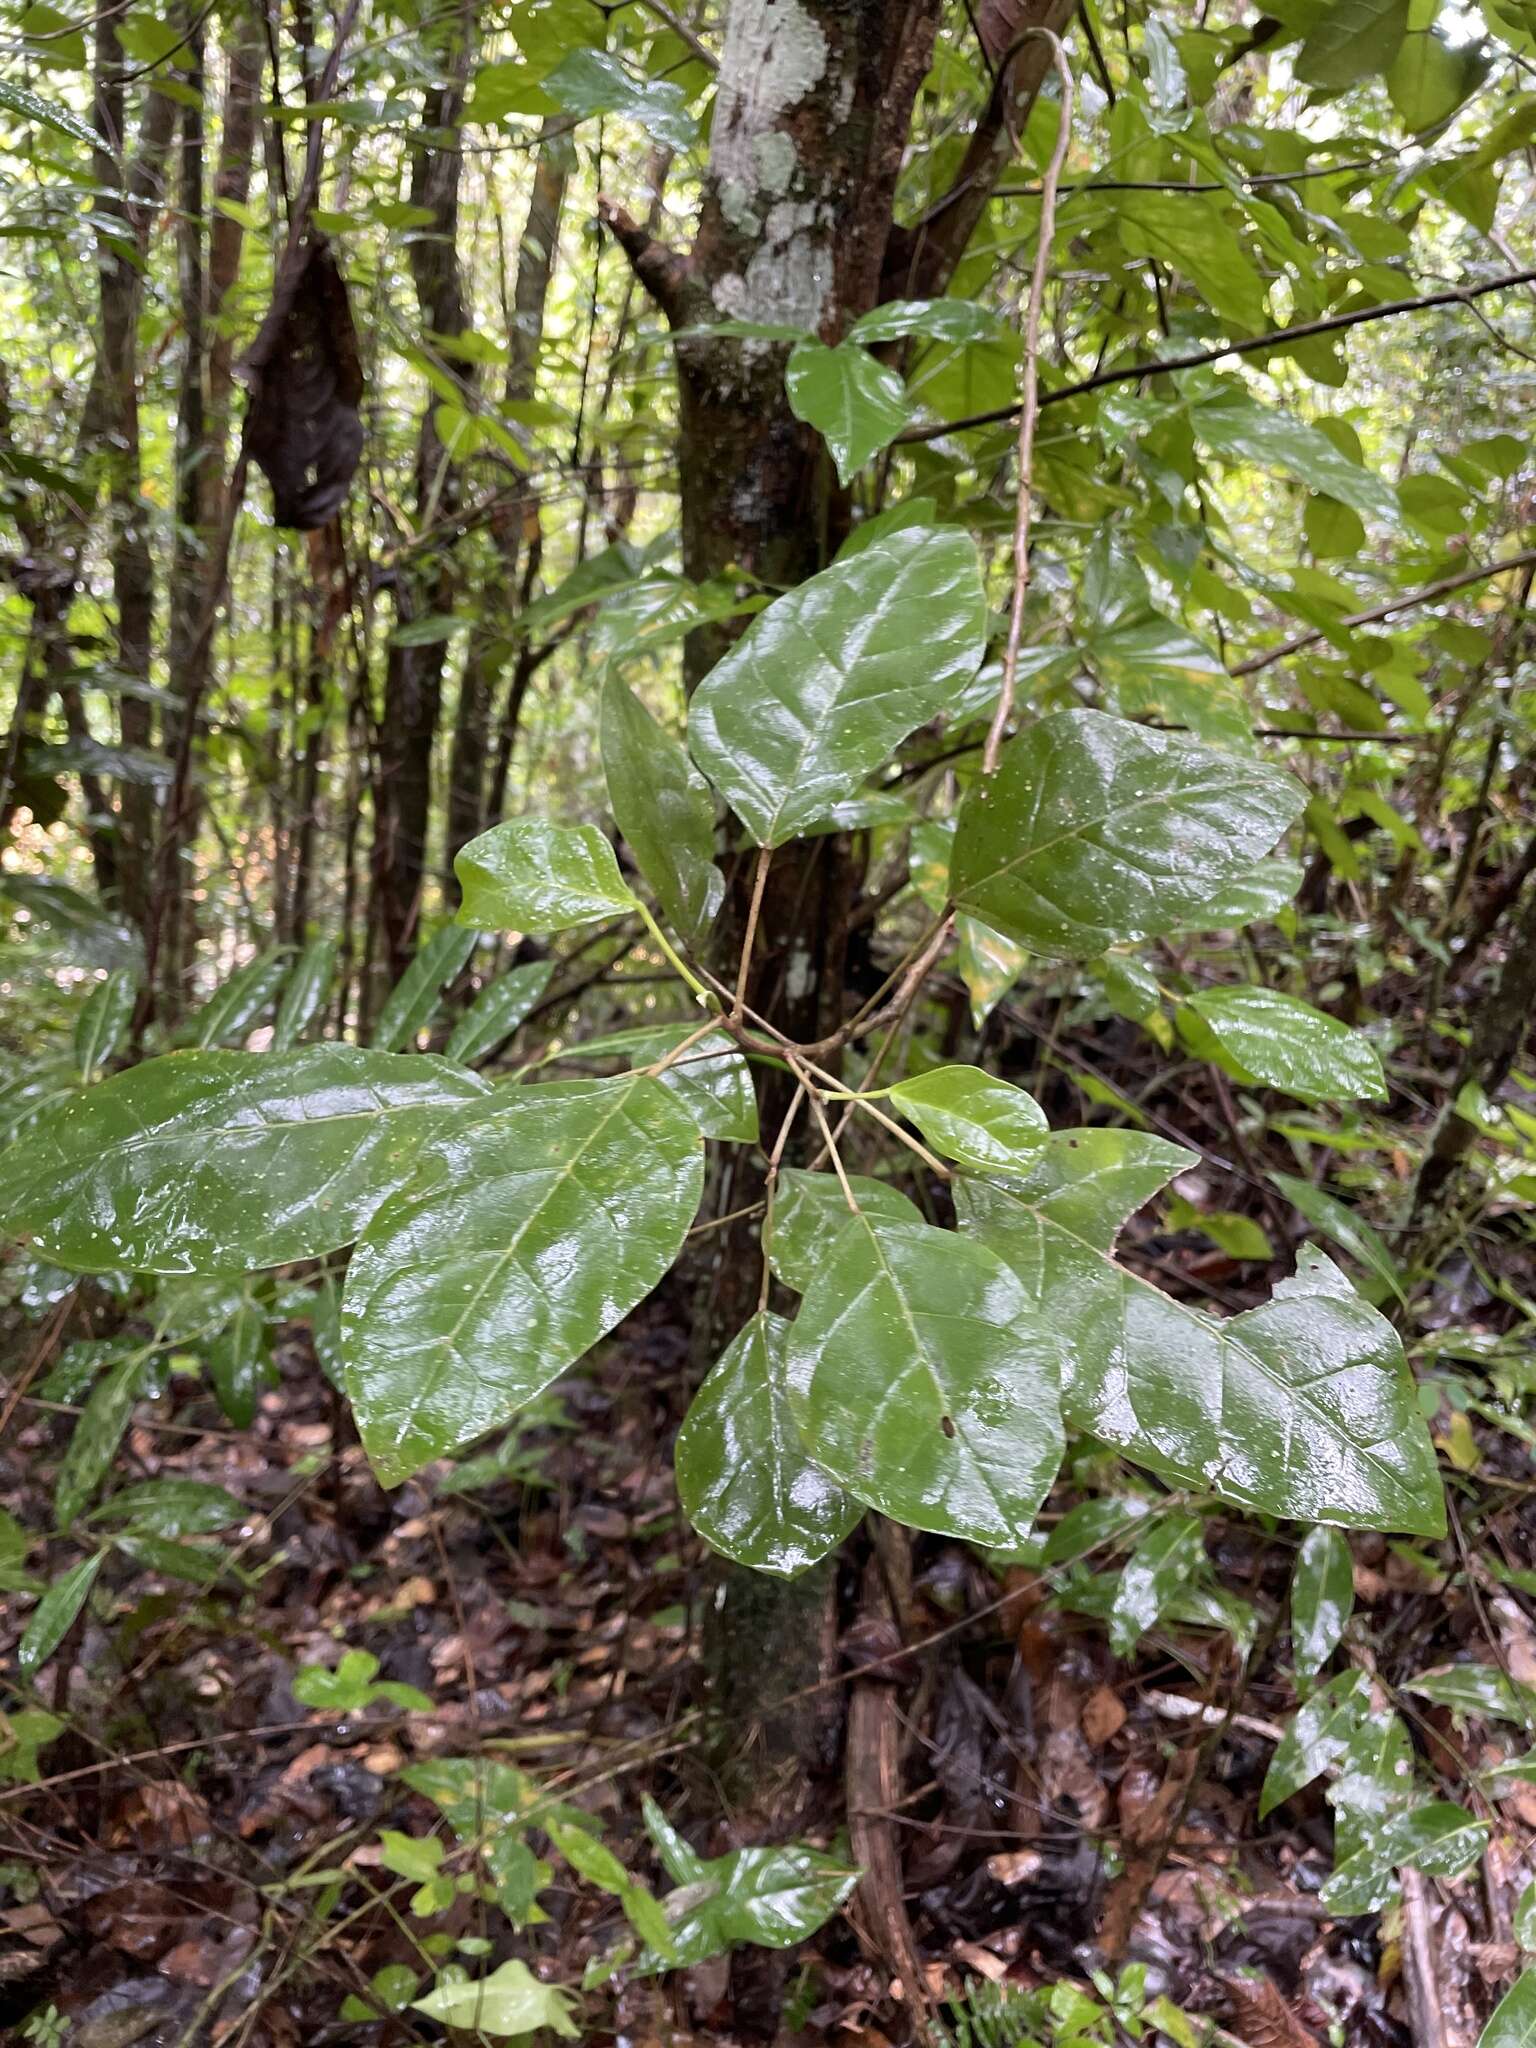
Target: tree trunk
x=115, y=393
x=813, y=109
x=474, y=799
x=414, y=677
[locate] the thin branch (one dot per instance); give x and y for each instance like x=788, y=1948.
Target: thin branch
x=683, y=32
x=1428, y=594
x=744, y=971
x=1030, y=403
x=1257, y=344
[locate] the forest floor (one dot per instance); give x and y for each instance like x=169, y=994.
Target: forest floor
x=1060, y=1809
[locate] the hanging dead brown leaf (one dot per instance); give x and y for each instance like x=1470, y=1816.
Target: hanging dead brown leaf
x=302, y=423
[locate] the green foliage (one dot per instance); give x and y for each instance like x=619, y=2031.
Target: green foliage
x=832, y=676
x=1125, y=833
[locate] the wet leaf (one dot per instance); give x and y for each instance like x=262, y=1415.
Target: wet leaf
x=517, y=1246
x=1322, y=1599
x=856, y=404
x=497, y=1011
x=53, y=1615
x=1338, y=1221
x=1169, y=1554
x=664, y=808
x=103, y=1020
x=773, y=1897
x=233, y=1009
x=1438, y=1839
x=96, y=1437
x=972, y=1117
x=712, y=1080
x=744, y=1476
x=209, y=1162
x=810, y=1208
x=1094, y=831
x=1303, y=1407
x=1286, y=1043
x=239, y=1363
x=926, y=1380
x=531, y=876
x=1513, y=2024
x=171, y=1507
x=833, y=675
x=412, y=1003
x=1316, y=1737
x=510, y=2001
x=304, y=993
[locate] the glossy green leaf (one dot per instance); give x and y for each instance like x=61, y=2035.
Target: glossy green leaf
x=210, y=1162
x=304, y=993
x=1316, y=1737
x=171, y=1507
x=192, y=1563
x=711, y=1080
x=531, y=876
x=240, y=1365
x=1513, y=2024
x=103, y=1020
x=1438, y=1839
x=856, y=404
x=1286, y=1043
x=510, y=2001
x=771, y=1897
x=54, y=1614
x=1160, y=670
x=1266, y=889
x=1478, y=1690
x=1372, y=1783
x=1525, y=1918
x=988, y=964
x=1303, y=1407
x=1190, y=234
x=935, y=319
x=1094, y=831
x=926, y=1380
x=826, y=682
x=1351, y=40
x=411, y=1004
x=518, y=1245
x=1322, y=1599
x=589, y=82
x=1338, y=1221
x=97, y=1434
x=594, y=1861
x=1165, y=1559
x=497, y=1011
x=663, y=807
x=31, y=106
x=233, y=1010
x=744, y=1477
x=972, y=1117
x=810, y=1208
x=1240, y=429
